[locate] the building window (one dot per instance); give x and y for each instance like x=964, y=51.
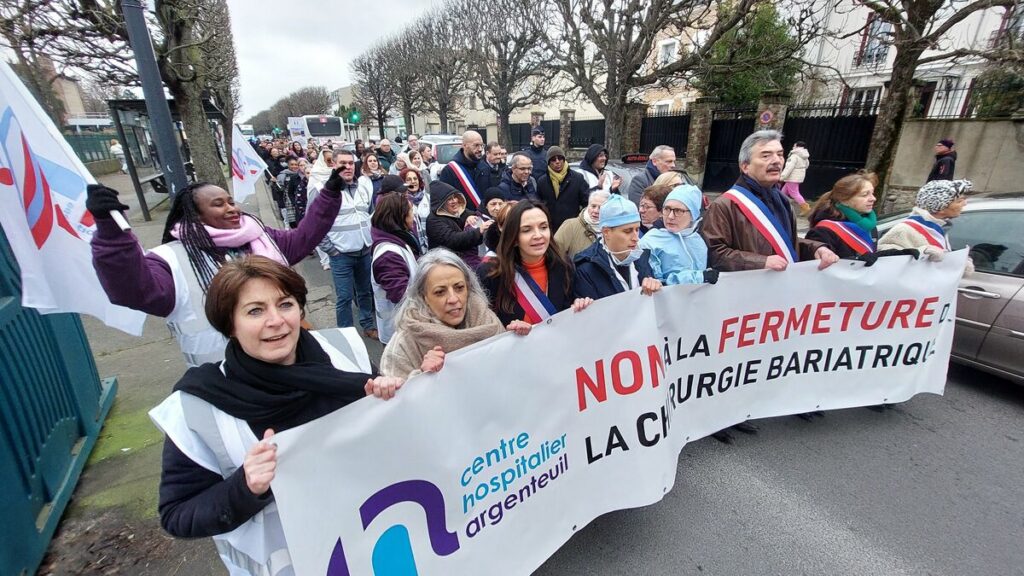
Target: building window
x=864, y=100
x=667, y=52
x=874, y=44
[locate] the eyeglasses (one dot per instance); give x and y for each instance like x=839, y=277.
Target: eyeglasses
x=647, y=206
x=668, y=211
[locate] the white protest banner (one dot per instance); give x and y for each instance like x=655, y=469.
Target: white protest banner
x=42, y=210
x=246, y=166
x=489, y=466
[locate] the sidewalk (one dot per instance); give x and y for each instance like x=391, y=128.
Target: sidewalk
x=111, y=525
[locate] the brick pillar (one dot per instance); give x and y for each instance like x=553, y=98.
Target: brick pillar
x=701, y=115
x=536, y=117
x=565, y=127
x=634, y=123
x=771, y=110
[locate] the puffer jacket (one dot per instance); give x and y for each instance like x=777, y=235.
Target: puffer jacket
x=595, y=277
x=445, y=230
x=679, y=257
x=514, y=192
x=796, y=165
x=733, y=242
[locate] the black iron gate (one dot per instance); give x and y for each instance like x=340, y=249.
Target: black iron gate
x=583, y=133
x=671, y=129
x=519, y=134
x=728, y=129
x=837, y=139
x=481, y=131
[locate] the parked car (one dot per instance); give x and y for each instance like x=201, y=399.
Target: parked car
x=990, y=305
x=445, y=146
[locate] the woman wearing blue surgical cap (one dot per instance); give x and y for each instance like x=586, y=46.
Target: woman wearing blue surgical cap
x=678, y=254
x=615, y=263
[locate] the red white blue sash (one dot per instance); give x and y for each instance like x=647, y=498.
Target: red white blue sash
x=532, y=299
x=764, y=221
x=466, y=181
x=852, y=235
x=931, y=231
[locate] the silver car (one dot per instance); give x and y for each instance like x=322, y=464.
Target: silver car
x=990, y=305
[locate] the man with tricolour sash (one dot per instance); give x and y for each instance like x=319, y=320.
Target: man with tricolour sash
x=751, y=226
x=463, y=173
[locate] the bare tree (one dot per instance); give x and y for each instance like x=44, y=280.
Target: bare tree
x=91, y=36
x=605, y=47
x=509, y=65
x=19, y=33
x=221, y=64
x=261, y=122
x=95, y=95
x=311, y=100
x=408, y=79
x=917, y=27
x=374, y=89
x=444, y=59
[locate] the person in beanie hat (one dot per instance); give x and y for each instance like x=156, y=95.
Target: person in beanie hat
x=678, y=254
x=945, y=161
x=565, y=192
x=615, y=263
x=492, y=201
x=390, y=183
x=925, y=230
x=536, y=152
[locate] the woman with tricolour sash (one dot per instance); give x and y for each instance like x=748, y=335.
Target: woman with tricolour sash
x=844, y=218
x=925, y=230
x=530, y=280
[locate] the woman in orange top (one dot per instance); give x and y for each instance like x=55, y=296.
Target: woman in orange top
x=530, y=280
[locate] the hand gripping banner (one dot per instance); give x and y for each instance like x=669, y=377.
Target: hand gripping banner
x=489, y=466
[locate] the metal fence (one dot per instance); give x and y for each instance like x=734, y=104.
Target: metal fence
x=837, y=137
x=976, y=100
x=669, y=128
x=519, y=134
x=52, y=406
x=729, y=126
x=91, y=147
x=586, y=131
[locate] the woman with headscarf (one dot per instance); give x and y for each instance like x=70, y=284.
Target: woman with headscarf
x=318, y=175
x=393, y=259
x=593, y=167
x=204, y=230
x=444, y=310
x=416, y=162
x=372, y=176
x=219, y=458
x=530, y=280
x=401, y=163
x=453, y=226
x=578, y=234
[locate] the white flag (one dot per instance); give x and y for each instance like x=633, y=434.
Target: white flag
x=246, y=166
x=42, y=211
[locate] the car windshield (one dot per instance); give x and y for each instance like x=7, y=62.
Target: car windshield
x=445, y=153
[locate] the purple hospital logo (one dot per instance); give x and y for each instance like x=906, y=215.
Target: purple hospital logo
x=392, y=553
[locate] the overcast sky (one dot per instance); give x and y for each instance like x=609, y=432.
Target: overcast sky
x=285, y=45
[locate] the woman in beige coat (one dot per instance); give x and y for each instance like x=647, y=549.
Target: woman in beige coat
x=793, y=175
x=576, y=235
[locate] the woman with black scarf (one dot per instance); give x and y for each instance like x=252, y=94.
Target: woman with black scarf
x=275, y=376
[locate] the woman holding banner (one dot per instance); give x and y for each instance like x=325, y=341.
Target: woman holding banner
x=444, y=310
x=275, y=376
x=530, y=281
x=204, y=230
x=844, y=218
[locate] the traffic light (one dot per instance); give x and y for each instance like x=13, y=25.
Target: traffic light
x=353, y=117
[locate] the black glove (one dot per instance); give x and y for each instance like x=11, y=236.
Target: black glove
x=334, y=183
x=912, y=252
x=868, y=259
x=101, y=201
x=710, y=276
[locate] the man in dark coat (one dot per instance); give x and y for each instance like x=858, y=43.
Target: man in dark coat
x=517, y=182
x=468, y=160
x=451, y=225
x=536, y=152
x=491, y=168
x=564, y=191
x=945, y=161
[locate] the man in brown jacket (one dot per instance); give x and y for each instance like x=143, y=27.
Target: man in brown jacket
x=751, y=226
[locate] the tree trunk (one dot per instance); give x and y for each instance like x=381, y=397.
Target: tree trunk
x=407, y=118
x=614, y=128
x=442, y=114
x=201, y=143
x=504, y=137
x=381, y=120
x=885, y=138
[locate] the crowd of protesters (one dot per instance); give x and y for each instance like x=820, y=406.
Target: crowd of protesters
x=435, y=258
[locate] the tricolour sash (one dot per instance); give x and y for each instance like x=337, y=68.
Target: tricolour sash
x=466, y=181
x=532, y=299
x=852, y=235
x=764, y=221
x=931, y=231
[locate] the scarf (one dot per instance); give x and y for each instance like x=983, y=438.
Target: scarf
x=771, y=197
x=594, y=227
x=652, y=171
x=274, y=395
x=557, y=177
x=419, y=333
x=250, y=233
x=866, y=222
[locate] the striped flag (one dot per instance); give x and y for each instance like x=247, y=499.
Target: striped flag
x=42, y=211
x=246, y=166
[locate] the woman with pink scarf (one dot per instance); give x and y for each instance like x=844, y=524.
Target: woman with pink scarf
x=205, y=229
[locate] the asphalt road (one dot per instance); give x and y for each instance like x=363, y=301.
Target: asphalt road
x=934, y=486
